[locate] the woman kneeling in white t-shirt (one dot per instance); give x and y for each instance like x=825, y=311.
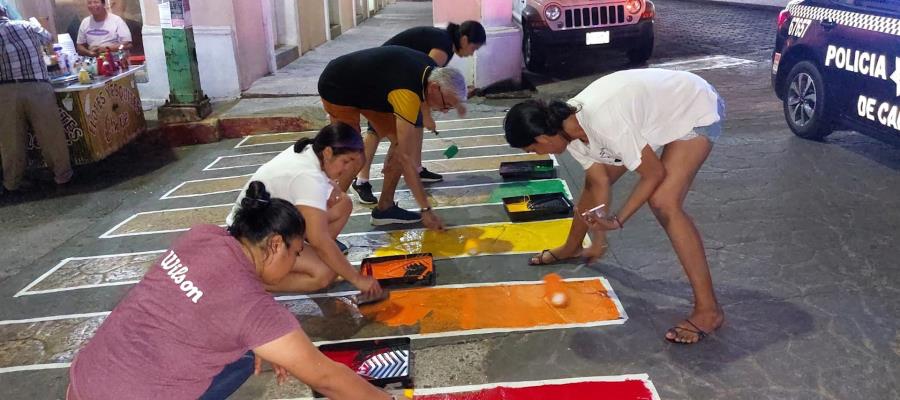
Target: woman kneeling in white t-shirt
x=615, y=125
x=305, y=175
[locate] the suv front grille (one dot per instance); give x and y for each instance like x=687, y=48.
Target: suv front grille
x=583, y=17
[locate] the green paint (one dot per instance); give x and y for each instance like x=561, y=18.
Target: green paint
x=525, y=188
x=181, y=65
x=451, y=151
x=543, y=168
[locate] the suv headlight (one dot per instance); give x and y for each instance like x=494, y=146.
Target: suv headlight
x=552, y=12
x=633, y=6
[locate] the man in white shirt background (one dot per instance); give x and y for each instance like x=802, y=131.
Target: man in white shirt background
x=102, y=30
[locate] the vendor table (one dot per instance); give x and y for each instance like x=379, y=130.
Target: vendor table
x=98, y=118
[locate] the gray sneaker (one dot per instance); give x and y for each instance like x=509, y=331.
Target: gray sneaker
x=364, y=192
x=394, y=215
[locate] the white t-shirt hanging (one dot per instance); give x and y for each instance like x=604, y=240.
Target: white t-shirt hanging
x=111, y=32
x=627, y=110
x=297, y=178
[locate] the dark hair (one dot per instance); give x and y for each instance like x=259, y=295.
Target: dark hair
x=342, y=138
x=470, y=29
x=261, y=216
x=527, y=120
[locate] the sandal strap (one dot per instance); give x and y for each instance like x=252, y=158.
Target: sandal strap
x=699, y=331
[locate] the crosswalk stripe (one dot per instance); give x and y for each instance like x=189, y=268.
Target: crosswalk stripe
x=445, y=197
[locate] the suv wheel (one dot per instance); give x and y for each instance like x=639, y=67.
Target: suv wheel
x=642, y=52
x=532, y=53
x=804, y=102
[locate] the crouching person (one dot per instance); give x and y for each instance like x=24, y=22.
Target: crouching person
x=187, y=329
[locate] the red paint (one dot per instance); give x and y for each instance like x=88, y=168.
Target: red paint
x=346, y=357
x=625, y=390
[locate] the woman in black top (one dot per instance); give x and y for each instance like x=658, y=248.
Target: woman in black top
x=440, y=44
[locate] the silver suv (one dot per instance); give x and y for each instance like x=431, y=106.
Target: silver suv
x=566, y=24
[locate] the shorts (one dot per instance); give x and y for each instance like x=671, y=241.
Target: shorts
x=385, y=123
x=420, y=123
x=711, y=132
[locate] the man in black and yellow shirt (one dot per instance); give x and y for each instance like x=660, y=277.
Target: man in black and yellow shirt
x=392, y=87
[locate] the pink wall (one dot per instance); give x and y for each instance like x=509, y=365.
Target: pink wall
x=252, y=47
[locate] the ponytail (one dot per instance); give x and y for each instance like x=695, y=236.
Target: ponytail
x=260, y=216
x=473, y=30
x=527, y=120
x=342, y=138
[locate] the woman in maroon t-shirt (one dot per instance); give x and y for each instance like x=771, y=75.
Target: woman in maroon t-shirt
x=185, y=331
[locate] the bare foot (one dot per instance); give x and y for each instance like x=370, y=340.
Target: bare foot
x=699, y=325
x=553, y=256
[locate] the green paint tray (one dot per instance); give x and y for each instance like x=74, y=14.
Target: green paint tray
x=539, y=207
x=523, y=170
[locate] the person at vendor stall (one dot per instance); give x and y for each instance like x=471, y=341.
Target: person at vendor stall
x=102, y=31
x=200, y=321
x=26, y=98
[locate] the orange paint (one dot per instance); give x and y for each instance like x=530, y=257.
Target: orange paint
x=502, y=306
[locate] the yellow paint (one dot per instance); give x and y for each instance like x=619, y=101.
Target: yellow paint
x=439, y=309
x=521, y=206
x=490, y=239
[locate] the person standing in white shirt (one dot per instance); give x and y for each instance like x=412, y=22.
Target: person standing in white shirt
x=101, y=31
x=614, y=125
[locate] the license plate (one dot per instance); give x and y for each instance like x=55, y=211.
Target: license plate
x=600, y=37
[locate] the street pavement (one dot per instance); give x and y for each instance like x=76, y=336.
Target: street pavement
x=801, y=238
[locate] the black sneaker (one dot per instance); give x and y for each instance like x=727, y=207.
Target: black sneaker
x=364, y=192
x=429, y=177
x=394, y=215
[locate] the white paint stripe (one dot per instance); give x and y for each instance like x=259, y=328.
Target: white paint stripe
x=169, y=195
x=247, y=138
x=526, y=384
x=90, y=286
x=109, y=234
x=472, y=332
x=26, y=290
x=469, y=119
x=243, y=146
x=704, y=63
x=54, y=318
x=34, y=367
x=210, y=167
x=380, y=152
x=487, y=331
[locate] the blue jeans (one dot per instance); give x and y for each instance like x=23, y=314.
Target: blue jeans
x=230, y=379
x=712, y=132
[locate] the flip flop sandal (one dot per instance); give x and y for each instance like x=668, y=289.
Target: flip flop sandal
x=540, y=258
x=701, y=334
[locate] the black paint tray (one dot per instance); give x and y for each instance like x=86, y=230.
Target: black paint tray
x=382, y=362
x=521, y=170
x=540, y=206
x=401, y=270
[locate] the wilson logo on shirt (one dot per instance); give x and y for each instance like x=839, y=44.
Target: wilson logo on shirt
x=177, y=271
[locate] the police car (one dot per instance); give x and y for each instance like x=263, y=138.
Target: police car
x=557, y=24
x=836, y=65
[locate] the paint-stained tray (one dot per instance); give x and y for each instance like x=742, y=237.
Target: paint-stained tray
x=401, y=271
x=382, y=362
x=537, y=207
x=521, y=170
